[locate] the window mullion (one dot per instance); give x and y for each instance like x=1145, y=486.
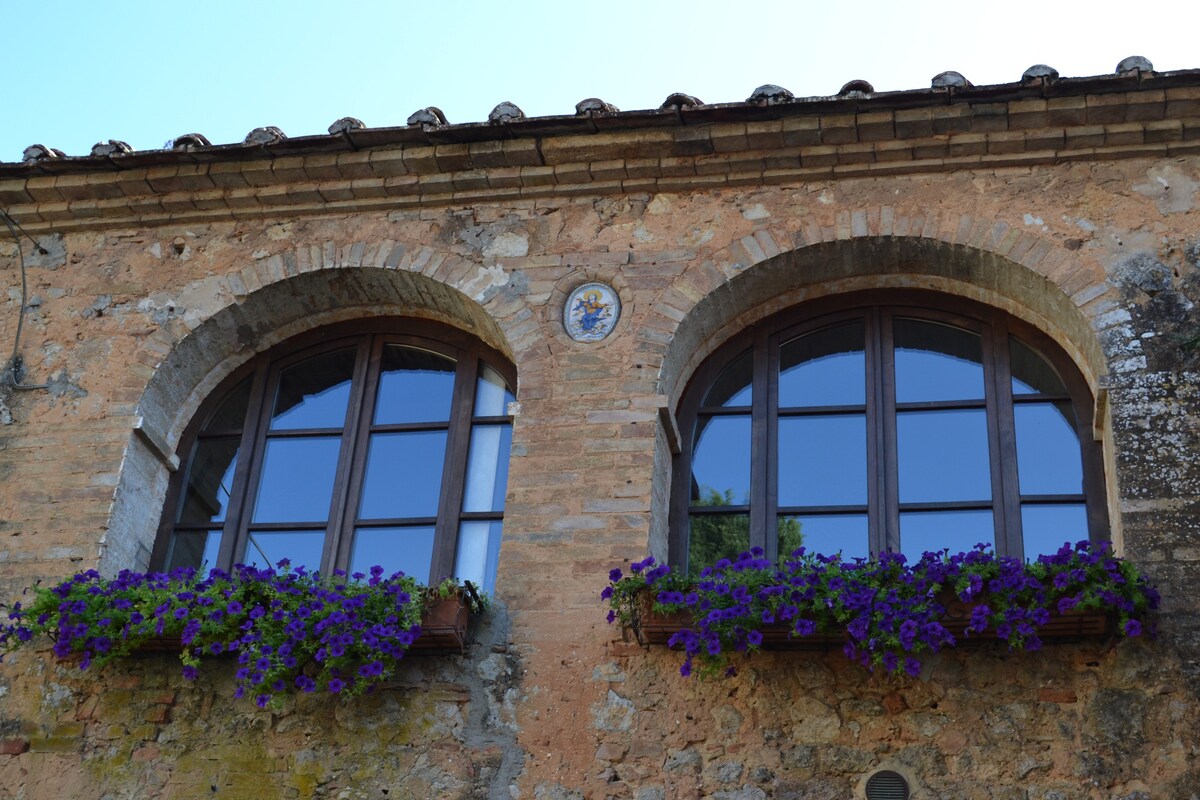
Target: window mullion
x=884, y=517
x=234, y=533
x=1002, y=436
x=764, y=431
x=352, y=465
x=458, y=441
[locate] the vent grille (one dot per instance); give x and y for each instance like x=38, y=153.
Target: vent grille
x=887, y=785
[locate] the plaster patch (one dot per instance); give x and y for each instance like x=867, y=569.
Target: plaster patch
x=507, y=245
x=661, y=204
x=485, y=278
x=1171, y=190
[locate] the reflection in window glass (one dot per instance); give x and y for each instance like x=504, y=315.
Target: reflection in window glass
x=314, y=393
x=406, y=549
x=716, y=536
x=825, y=534
x=734, y=386
x=414, y=386
x=1045, y=528
x=824, y=368
x=231, y=414
x=937, y=530
x=297, y=479
x=1032, y=374
x=487, y=468
x=478, y=553
x=197, y=549
x=492, y=394
x=206, y=498
x=937, y=362
x=823, y=460
x=1047, y=449
x=943, y=455
x=404, y=475
x=301, y=548
x=721, y=464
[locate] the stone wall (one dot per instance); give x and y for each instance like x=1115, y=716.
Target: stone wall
x=131, y=321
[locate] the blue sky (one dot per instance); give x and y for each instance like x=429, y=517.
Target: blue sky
x=82, y=71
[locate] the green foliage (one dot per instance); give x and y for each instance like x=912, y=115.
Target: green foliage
x=717, y=536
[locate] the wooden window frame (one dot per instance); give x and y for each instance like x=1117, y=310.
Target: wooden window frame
x=877, y=308
x=263, y=371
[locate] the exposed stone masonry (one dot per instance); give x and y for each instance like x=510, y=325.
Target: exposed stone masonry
x=1070, y=203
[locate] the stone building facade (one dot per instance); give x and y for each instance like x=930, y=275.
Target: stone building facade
x=1070, y=204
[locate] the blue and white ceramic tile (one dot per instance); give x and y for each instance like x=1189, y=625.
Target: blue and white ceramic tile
x=591, y=312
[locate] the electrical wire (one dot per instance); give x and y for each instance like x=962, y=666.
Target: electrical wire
x=14, y=361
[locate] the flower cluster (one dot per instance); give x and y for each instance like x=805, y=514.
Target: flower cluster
x=288, y=630
x=887, y=611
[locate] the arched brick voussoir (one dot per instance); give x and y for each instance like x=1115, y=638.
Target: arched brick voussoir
x=1028, y=275
x=243, y=313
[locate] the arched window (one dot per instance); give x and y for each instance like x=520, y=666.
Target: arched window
x=383, y=443
x=903, y=421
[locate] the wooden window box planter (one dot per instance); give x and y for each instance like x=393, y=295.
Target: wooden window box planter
x=445, y=628
x=652, y=628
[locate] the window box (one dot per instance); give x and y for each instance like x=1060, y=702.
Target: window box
x=445, y=628
x=879, y=610
x=445, y=624
x=655, y=628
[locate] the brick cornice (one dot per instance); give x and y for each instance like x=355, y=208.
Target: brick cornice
x=664, y=151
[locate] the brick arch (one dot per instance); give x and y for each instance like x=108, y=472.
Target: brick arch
x=1028, y=275
x=266, y=303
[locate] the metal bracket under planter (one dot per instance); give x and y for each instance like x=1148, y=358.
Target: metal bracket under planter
x=652, y=628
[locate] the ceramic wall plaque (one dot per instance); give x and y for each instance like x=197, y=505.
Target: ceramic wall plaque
x=591, y=312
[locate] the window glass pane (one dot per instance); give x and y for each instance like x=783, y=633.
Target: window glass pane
x=936, y=530
x=414, y=386
x=1045, y=528
x=943, y=455
x=716, y=536
x=478, y=553
x=300, y=548
x=1032, y=374
x=314, y=393
x=721, y=461
x=734, y=386
x=824, y=368
x=1048, y=457
x=823, y=460
x=210, y=477
x=492, y=394
x=404, y=475
x=197, y=549
x=487, y=468
x=825, y=534
x=231, y=414
x=937, y=362
x=297, y=479
x=407, y=549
